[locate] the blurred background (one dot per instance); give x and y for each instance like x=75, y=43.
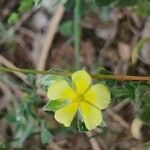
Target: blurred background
x=102, y=36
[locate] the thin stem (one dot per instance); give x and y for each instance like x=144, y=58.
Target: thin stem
x=95, y=76
x=22, y=70
x=77, y=31
x=121, y=77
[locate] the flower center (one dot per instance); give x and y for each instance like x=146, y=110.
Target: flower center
x=78, y=98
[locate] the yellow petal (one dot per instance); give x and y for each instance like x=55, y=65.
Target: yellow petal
x=91, y=116
x=60, y=90
x=66, y=114
x=99, y=95
x=82, y=81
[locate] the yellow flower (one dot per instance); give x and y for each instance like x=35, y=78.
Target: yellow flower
x=88, y=99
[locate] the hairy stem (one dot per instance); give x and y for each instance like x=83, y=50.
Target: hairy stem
x=64, y=73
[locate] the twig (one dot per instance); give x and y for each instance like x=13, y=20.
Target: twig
x=54, y=146
x=93, y=141
x=28, y=32
x=7, y=95
x=121, y=77
x=13, y=87
x=8, y=64
x=117, y=118
x=52, y=29
x=120, y=105
x=68, y=74
x=24, y=17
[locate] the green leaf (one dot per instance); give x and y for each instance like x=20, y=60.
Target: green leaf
x=145, y=115
x=55, y=105
x=13, y=18
x=11, y=118
x=143, y=8
x=25, y=5
x=148, y=148
x=46, y=136
x=104, y=2
x=3, y=147
x=126, y=3
x=66, y=28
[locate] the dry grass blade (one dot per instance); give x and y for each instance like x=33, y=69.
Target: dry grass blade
x=119, y=119
x=52, y=29
x=93, y=141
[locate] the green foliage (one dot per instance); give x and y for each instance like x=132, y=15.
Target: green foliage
x=25, y=5
x=121, y=3
x=138, y=97
x=142, y=8
x=25, y=118
x=24, y=113
x=55, y=105
x=3, y=147
x=80, y=123
x=145, y=115
x=126, y=3
x=102, y=3
x=66, y=28
x=46, y=136
x=13, y=18
x=148, y=148
x=130, y=90
x=23, y=132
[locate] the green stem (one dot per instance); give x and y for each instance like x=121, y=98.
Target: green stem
x=77, y=32
x=68, y=74
x=21, y=70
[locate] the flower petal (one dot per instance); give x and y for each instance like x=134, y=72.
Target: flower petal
x=66, y=114
x=99, y=95
x=60, y=90
x=82, y=81
x=91, y=116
